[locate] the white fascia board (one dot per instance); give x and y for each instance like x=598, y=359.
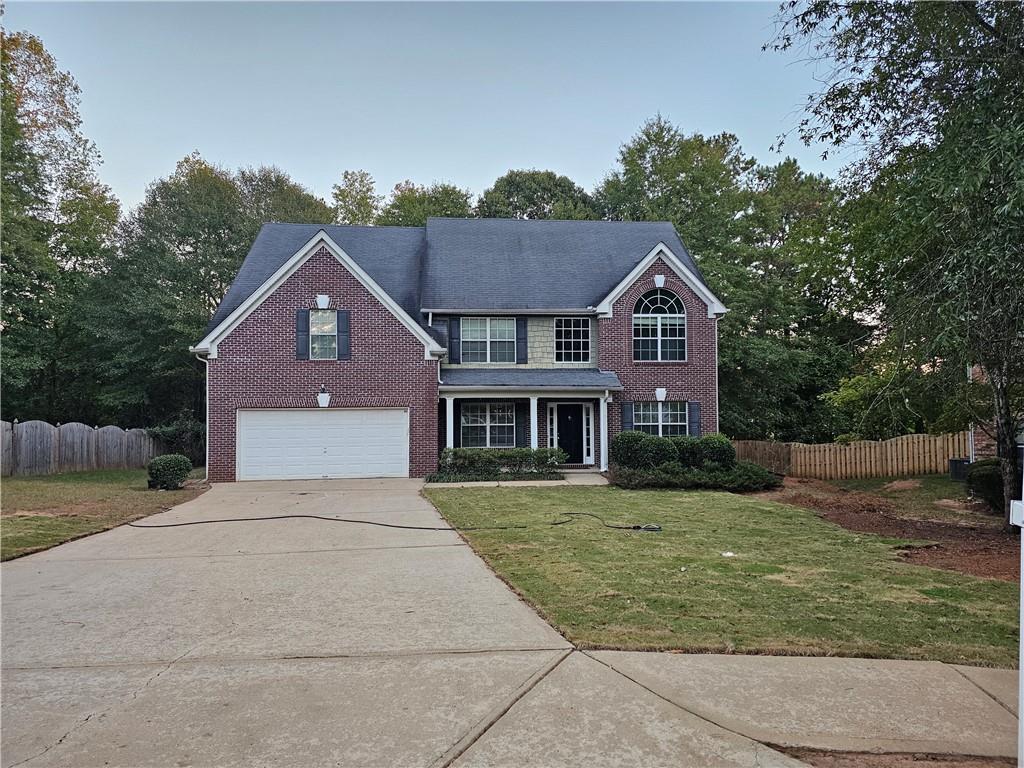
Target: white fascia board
x=589, y=311
x=208, y=345
x=715, y=307
x=480, y=392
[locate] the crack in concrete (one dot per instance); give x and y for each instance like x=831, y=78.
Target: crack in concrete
x=980, y=688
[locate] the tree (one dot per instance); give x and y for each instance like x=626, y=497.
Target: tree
x=535, y=194
x=934, y=94
x=355, y=199
x=410, y=204
x=269, y=194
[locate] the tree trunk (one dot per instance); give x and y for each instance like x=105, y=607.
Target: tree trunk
x=1006, y=443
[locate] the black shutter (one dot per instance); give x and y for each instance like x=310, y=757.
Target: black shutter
x=520, y=340
x=627, y=417
x=344, y=336
x=302, y=334
x=693, y=418
x=454, y=340
x=457, y=423
x=522, y=424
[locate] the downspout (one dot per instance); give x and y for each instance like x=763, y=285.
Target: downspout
x=206, y=440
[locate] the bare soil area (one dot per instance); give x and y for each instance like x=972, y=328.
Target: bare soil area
x=980, y=549
x=822, y=759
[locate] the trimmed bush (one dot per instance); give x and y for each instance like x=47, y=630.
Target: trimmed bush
x=655, y=451
x=689, y=451
x=985, y=480
x=743, y=477
x=168, y=471
x=717, y=449
x=624, y=449
x=491, y=463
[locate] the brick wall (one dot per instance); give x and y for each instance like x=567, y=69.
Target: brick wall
x=256, y=365
x=694, y=379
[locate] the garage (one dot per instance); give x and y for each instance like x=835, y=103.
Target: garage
x=312, y=443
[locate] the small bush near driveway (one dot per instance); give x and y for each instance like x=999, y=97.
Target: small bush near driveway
x=796, y=584
x=168, y=472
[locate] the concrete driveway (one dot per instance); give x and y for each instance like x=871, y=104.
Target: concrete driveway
x=303, y=642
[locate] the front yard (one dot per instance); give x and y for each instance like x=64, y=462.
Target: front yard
x=43, y=511
x=793, y=583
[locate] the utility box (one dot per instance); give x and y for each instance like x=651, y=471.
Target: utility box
x=958, y=469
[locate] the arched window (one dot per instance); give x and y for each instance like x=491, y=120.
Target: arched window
x=659, y=327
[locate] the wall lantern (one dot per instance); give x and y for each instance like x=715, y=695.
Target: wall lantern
x=323, y=397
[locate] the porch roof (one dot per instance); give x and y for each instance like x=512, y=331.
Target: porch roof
x=529, y=378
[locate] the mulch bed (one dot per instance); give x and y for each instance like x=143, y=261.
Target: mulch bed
x=987, y=552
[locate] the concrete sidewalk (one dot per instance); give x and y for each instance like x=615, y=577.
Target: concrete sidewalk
x=302, y=642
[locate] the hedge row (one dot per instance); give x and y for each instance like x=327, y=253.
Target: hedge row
x=485, y=463
x=741, y=477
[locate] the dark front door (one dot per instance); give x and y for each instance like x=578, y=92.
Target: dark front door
x=570, y=431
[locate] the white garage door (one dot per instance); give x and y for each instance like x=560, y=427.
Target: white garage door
x=313, y=443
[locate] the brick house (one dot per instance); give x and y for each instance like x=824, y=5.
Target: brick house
x=364, y=351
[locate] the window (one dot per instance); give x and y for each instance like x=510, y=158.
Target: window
x=488, y=340
x=572, y=339
x=659, y=327
x=666, y=419
x=323, y=334
x=488, y=425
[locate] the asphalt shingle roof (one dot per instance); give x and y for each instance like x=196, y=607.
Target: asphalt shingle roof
x=560, y=378
x=472, y=264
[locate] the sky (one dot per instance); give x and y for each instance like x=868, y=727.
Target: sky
x=425, y=91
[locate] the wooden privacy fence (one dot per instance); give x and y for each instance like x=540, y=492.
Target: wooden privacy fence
x=905, y=455
x=39, y=448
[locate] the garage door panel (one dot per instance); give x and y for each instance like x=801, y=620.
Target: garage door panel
x=284, y=444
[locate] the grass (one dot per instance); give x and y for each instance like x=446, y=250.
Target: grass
x=43, y=511
x=922, y=501
x=796, y=585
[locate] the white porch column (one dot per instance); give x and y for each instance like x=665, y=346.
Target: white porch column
x=449, y=417
x=533, y=423
x=604, y=433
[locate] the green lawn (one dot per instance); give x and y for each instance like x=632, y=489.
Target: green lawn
x=796, y=585
x=43, y=511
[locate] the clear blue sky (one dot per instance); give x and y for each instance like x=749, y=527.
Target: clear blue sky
x=429, y=92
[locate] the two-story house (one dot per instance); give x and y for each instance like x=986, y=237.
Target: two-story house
x=364, y=351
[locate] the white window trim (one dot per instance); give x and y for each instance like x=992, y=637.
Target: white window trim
x=661, y=416
x=660, y=338
x=554, y=339
x=311, y=334
x=487, y=426
x=488, y=340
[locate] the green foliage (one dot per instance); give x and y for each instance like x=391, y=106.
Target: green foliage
x=490, y=463
x=689, y=451
x=985, y=480
x=638, y=450
x=741, y=477
x=185, y=435
x=717, y=449
x=411, y=204
x=624, y=449
x=535, y=194
x=355, y=199
x=169, y=471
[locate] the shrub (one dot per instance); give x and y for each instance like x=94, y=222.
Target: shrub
x=717, y=449
x=743, y=477
x=689, y=451
x=625, y=449
x=656, y=451
x=985, y=480
x=489, y=463
x=184, y=435
x=168, y=471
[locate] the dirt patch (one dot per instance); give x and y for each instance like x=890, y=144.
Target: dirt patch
x=902, y=485
x=985, y=552
x=822, y=759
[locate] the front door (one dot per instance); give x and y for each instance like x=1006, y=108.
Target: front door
x=570, y=430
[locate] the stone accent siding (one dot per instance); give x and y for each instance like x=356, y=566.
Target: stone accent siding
x=256, y=365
